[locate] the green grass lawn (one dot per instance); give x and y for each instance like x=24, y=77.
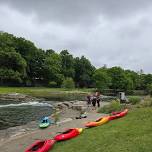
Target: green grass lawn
x=132, y=133
x=49, y=93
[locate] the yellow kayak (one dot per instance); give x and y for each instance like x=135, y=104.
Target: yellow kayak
x=98, y=122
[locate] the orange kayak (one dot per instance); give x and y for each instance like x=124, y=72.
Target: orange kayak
x=98, y=122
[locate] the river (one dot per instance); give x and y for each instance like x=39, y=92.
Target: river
x=17, y=114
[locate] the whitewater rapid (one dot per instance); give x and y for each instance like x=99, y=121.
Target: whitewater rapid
x=34, y=103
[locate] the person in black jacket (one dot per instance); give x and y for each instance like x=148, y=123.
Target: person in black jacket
x=94, y=100
x=97, y=95
x=88, y=99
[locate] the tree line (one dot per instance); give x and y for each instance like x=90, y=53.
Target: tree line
x=117, y=78
x=23, y=64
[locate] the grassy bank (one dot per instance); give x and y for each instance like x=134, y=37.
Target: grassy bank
x=48, y=93
x=132, y=133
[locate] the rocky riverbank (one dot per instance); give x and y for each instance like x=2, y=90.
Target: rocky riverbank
x=18, y=143
x=67, y=111
x=17, y=97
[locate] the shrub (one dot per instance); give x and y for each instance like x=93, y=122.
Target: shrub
x=52, y=84
x=149, y=89
x=147, y=102
x=113, y=106
x=134, y=99
x=68, y=83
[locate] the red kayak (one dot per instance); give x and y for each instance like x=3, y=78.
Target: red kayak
x=68, y=134
x=119, y=114
x=41, y=146
x=116, y=112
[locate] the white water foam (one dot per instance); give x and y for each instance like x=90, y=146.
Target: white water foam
x=34, y=103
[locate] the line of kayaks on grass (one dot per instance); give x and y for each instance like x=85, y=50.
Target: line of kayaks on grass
x=46, y=145
x=103, y=120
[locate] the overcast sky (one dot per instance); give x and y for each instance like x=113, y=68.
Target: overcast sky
x=111, y=32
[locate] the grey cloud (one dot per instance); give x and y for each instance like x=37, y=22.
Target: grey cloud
x=78, y=11
x=116, y=33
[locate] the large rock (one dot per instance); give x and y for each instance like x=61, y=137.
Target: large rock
x=68, y=104
x=76, y=105
x=60, y=105
x=80, y=105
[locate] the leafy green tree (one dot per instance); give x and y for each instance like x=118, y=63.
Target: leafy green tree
x=6, y=40
x=50, y=51
x=68, y=83
x=141, y=82
x=83, y=72
x=52, y=84
x=129, y=85
x=52, y=68
x=67, y=64
x=147, y=79
x=26, y=48
x=36, y=66
x=9, y=75
x=133, y=79
x=22, y=61
x=12, y=60
x=30, y=53
x=149, y=88
x=118, y=79
x=12, y=65
x=102, y=79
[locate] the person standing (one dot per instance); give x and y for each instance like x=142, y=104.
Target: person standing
x=88, y=98
x=94, y=101
x=97, y=94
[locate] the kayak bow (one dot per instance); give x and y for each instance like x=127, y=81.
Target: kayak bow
x=41, y=146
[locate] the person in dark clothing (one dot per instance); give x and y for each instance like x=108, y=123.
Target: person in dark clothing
x=97, y=95
x=98, y=102
x=94, y=101
x=88, y=99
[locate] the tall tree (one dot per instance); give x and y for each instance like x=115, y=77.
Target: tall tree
x=132, y=78
x=83, y=72
x=67, y=64
x=118, y=79
x=52, y=68
x=102, y=79
x=36, y=66
x=12, y=66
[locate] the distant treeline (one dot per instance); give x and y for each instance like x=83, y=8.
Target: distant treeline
x=23, y=64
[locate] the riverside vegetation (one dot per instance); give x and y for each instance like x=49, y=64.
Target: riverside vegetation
x=54, y=94
x=23, y=64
